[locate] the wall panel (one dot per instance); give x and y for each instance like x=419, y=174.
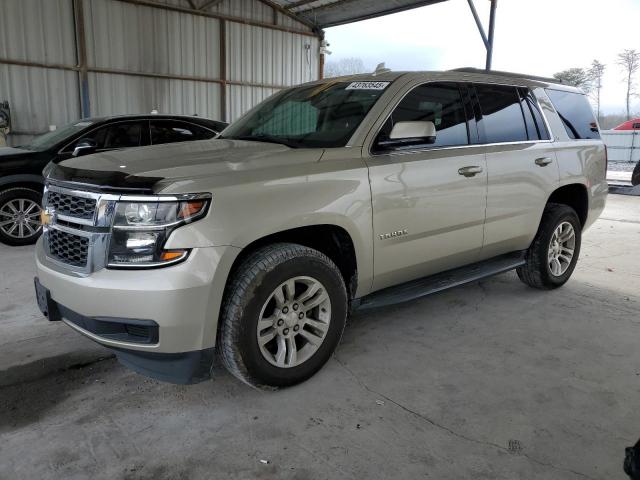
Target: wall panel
x=39, y=97
x=141, y=58
x=122, y=94
x=37, y=31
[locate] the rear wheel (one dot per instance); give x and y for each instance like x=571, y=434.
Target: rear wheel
x=553, y=255
x=20, y=216
x=283, y=315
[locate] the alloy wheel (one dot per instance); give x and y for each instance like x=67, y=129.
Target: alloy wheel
x=561, y=249
x=294, y=322
x=20, y=218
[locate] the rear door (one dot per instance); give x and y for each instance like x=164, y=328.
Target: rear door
x=522, y=166
x=427, y=216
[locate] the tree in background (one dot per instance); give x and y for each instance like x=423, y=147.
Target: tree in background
x=576, y=77
x=344, y=66
x=596, y=74
x=629, y=60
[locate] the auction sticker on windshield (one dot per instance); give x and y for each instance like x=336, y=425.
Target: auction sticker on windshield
x=367, y=85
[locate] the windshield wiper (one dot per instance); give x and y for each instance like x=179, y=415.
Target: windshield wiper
x=264, y=138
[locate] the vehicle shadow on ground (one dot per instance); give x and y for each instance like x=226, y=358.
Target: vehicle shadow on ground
x=24, y=401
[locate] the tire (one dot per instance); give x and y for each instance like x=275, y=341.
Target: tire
x=635, y=176
x=25, y=229
x=538, y=271
x=251, y=295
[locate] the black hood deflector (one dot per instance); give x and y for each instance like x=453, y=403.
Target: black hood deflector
x=102, y=180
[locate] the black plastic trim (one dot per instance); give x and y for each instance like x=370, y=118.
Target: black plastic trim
x=111, y=328
x=181, y=368
x=102, y=180
x=440, y=281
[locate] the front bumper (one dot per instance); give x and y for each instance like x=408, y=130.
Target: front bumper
x=178, y=305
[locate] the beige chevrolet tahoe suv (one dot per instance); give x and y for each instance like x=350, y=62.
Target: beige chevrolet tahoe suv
x=341, y=194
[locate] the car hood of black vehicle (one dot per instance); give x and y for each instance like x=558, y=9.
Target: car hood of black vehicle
x=10, y=152
x=142, y=168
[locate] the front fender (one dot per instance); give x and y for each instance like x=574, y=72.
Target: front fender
x=21, y=178
x=332, y=193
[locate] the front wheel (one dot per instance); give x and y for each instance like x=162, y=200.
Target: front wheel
x=553, y=255
x=283, y=315
x=20, y=216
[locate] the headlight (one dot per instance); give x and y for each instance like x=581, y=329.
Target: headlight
x=141, y=228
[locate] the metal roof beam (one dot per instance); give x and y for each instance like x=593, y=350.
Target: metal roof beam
x=300, y=3
x=492, y=28
x=488, y=40
x=230, y=18
x=478, y=23
x=285, y=11
x=208, y=4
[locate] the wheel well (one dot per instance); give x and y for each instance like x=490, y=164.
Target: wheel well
x=331, y=240
x=574, y=196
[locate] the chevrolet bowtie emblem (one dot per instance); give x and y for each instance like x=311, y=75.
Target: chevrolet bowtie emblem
x=46, y=217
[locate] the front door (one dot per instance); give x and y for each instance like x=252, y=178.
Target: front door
x=428, y=200
x=115, y=135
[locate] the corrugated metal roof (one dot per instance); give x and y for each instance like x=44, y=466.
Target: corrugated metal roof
x=328, y=13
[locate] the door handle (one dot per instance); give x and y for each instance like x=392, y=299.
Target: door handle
x=543, y=162
x=470, y=171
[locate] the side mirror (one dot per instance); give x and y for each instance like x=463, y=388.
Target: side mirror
x=85, y=146
x=405, y=134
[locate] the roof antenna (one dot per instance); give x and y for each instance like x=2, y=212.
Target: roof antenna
x=381, y=69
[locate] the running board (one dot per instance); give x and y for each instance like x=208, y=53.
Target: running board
x=440, y=281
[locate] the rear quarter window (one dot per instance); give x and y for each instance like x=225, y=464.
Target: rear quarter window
x=576, y=114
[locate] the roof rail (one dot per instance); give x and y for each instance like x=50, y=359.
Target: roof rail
x=506, y=74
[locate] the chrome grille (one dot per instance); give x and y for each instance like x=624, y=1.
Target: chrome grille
x=68, y=248
x=77, y=234
x=71, y=205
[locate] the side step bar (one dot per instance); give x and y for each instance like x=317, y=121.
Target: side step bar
x=438, y=282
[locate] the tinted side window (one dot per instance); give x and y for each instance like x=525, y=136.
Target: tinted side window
x=576, y=114
x=532, y=128
x=502, y=116
x=170, y=131
x=115, y=135
x=437, y=103
x=537, y=115
x=536, y=127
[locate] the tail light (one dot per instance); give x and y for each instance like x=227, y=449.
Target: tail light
x=606, y=161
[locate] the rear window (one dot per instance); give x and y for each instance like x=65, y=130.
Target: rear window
x=502, y=116
x=576, y=114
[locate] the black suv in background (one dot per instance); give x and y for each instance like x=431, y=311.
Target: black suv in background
x=21, y=180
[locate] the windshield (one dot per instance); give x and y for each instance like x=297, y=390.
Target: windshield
x=321, y=115
x=50, y=139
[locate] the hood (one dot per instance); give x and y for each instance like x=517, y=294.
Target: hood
x=143, y=168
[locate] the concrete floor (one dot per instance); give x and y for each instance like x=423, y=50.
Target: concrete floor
x=491, y=380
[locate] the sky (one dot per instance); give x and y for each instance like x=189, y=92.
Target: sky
x=537, y=37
